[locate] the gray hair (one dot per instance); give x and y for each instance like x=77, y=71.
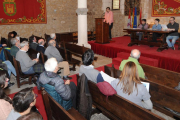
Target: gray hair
x=24, y=43
x=51, y=42
x=13, y=41
x=135, y=53
x=52, y=35
x=51, y=64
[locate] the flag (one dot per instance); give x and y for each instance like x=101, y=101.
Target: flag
x=132, y=19
x=135, y=18
x=129, y=19
x=140, y=16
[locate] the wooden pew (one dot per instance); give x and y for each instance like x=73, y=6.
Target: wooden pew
x=76, y=49
x=116, y=107
x=67, y=55
x=55, y=111
x=162, y=76
x=161, y=95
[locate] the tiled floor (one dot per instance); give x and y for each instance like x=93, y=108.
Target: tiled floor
x=100, y=62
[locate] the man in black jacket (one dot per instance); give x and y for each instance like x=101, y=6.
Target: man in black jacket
x=40, y=47
x=32, y=41
x=173, y=35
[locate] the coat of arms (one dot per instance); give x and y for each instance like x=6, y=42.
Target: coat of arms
x=9, y=7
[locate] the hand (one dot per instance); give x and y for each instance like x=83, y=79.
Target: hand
x=59, y=45
x=4, y=45
x=36, y=60
x=67, y=82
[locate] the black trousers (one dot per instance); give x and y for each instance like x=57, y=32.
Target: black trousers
x=110, y=27
x=155, y=36
x=73, y=93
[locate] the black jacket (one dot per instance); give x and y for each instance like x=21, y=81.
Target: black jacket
x=84, y=99
x=40, y=49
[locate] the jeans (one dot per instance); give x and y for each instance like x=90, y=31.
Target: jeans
x=10, y=68
x=110, y=27
x=30, y=71
x=173, y=38
x=140, y=34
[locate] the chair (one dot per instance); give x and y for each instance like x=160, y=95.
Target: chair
x=55, y=111
x=43, y=57
x=8, y=56
x=75, y=36
x=20, y=76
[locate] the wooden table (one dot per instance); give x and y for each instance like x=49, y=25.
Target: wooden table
x=134, y=40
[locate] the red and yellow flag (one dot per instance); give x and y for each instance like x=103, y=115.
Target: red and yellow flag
x=133, y=18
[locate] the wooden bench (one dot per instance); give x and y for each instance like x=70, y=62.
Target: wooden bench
x=116, y=107
x=162, y=96
x=55, y=111
x=67, y=55
x=162, y=76
x=76, y=49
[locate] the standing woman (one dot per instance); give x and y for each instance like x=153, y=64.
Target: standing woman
x=5, y=101
x=130, y=87
x=109, y=19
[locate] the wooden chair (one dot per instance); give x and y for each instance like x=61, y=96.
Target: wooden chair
x=8, y=56
x=162, y=96
x=55, y=111
x=20, y=76
x=117, y=108
x=90, y=37
x=43, y=57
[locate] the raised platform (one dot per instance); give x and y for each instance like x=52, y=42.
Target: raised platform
x=168, y=59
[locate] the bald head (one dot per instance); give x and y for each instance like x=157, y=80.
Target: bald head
x=41, y=42
x=52, y=43
x=135, y=53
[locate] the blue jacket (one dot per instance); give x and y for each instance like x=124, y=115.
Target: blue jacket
x=54, y=85
x=2, y=55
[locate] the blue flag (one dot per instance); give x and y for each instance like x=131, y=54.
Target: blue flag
x=135, y=18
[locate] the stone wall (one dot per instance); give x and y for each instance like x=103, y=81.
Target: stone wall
x=61, y=17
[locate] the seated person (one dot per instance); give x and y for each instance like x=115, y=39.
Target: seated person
x=25, y=61
x=157, y=27
x=62, y=92
x=22, y=103
x=40, y=47
x=173, y=35
x=143, y=26
x=32, y=41
x=130, y=87
x=53, y=37
x=52, y=52
x=87, y=68
x=134, y=56
x=15, y=46
x=31, y=116
x=5, y=101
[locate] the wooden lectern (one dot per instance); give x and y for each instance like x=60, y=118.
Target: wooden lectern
x=102, y=31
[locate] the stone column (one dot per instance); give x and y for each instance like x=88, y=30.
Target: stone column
x=82, y=23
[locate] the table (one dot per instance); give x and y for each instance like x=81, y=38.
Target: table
x=134, y=39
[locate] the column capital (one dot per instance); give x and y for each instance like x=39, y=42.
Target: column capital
x=82, y=11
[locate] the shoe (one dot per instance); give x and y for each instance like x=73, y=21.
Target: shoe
x=173, y=48
x=67, y=78
x=59, y=72
x=177, y=87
